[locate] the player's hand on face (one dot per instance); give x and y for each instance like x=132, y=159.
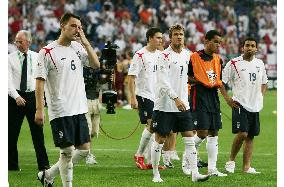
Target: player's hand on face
x=39, y=117
x=20, y=101
x=180, y=105
x=82, y=37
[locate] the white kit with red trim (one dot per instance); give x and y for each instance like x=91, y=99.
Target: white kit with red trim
x=246, y=79
x=144, y=67
x=62, y=69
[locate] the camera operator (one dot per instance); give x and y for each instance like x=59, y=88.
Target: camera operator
x=91, y=79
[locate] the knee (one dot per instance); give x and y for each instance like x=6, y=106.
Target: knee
x=149, y=128
x=187, y=134
x=85, y=146
x=92, y=135
x=212, y=133
x=83, y=153
x=160, y=139
x=97, y=117
x=173, y=134
x=202, y=134
x=250, y=137
x=242, y=135
x=66, y=153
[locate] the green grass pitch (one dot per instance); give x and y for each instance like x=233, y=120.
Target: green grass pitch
x=115, y=157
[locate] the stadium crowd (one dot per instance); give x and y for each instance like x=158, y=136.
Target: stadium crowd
x=125, y=23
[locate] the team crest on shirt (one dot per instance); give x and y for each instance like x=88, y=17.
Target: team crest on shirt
x=166, y=56
x=154, y=124
x=211, y=75
x=78, y=54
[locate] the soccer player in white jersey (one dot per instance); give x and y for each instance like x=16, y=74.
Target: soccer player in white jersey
x=247, y=76
x=171, y=108
x=142, y=82
x=59, y=73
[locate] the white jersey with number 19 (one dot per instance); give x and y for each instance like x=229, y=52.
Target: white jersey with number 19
x=172, y=80
x=62, y=69
x=246, y=79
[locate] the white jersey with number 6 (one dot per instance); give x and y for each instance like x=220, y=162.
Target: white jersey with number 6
x=62, y=68
x=172, y=80
x=246, y=79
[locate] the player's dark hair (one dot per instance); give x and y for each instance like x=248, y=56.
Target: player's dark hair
x=151, y=32
x=175, y=27
x=210, y=34
x=65, y=18
x=249, y=39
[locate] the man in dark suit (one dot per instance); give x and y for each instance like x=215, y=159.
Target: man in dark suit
x=21, y=101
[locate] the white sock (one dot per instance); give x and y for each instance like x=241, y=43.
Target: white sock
x=52, y=171
x=148, y=156
x=79, y=155
x=172, y=153
x=190, y=153
x=197, y=141
x=66, y=166
x=166, y=156
x=167, y=153
x=155, y=156
x=212, y=150
x=146, y=135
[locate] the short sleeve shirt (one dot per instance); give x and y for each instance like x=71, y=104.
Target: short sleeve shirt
x=246, y=79
x=62, y=69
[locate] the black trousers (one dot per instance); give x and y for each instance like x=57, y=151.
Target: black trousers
x=16, y=116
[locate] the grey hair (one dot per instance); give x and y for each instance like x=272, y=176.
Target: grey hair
x=27, y=34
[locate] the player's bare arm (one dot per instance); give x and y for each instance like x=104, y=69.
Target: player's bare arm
x=263, y=89
x=39, y=91
x=93, y=58
x=227, y=98
x=131, y=86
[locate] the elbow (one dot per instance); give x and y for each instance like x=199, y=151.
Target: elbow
x=95, y=65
